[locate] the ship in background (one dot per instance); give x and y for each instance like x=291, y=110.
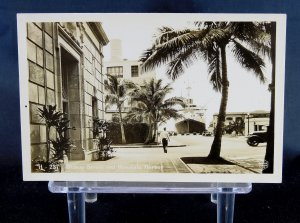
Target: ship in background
x=193, y=120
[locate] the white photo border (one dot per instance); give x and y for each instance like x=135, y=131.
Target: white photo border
x=275, y=177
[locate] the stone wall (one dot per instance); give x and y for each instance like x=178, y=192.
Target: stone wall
x=85, y=90
x=41, y=86
x=93, y=84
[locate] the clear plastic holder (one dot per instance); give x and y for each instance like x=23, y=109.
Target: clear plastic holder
x=79, y=192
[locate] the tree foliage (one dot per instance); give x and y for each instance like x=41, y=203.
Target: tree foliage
x=210, y=41
x=61, y=144
x=152, y=106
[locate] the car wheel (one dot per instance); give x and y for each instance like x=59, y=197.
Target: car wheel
x=252, y=142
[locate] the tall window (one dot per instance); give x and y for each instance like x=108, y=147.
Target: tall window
x=134, y=71
x=95, y=115
x=115, y=71
x=95, y=107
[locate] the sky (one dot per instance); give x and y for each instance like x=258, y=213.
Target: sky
x=246, y=93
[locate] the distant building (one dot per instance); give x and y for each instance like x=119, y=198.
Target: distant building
x=126, y=70
x=253, y=121
x=65, y=69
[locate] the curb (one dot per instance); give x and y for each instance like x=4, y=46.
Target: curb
x=144, y=146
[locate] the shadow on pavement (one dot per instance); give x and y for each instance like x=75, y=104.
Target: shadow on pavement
x=206, y=161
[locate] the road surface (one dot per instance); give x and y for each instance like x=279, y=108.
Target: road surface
x=242, y=158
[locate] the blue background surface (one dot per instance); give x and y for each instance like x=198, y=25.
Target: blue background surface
x=31, y=202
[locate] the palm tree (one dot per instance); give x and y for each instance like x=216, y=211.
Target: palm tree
x=116, y=95
x=269, y=157
x=236, y=126
x=152, y=106
x=209, y=41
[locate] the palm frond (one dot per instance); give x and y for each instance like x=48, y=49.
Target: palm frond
x=168, y=51
x=254, y=34
x=146, y=54
x=121, y=91
x=111, y=99
x=245, y=30
x=138, y=113
x=261, y=44
x=214, y=69
x=111, y=85
x=249, y=60
x=169, y=113
x=166, y=34
x=185, y=59
x=214, y=36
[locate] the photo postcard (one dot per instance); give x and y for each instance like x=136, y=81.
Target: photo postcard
x=152, y=97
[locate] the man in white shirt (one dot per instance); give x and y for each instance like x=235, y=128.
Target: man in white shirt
x=164, y=135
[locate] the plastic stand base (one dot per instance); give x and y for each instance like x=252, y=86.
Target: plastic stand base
x=222, y=194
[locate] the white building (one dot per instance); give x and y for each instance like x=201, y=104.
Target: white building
x=125, y=69
x=253, y=121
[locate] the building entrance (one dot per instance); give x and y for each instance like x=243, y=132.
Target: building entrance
x=71, y=100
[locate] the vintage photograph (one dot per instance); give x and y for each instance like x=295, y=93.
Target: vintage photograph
x=152, y=97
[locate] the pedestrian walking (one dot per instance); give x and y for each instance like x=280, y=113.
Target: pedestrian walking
x=164, y=135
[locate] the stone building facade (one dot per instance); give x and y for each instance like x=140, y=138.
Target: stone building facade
x=253, y=121
x=65, y=63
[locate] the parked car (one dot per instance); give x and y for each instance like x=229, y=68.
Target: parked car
x=257, y=137
x=207, y=133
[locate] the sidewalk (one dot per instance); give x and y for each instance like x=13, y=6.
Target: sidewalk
x=234, y=166
x=153, y=160
x=161, y=164
x=142, y=145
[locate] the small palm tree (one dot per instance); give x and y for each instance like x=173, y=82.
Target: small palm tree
x=116, y=90
x=60, y=145
x=51, y=118
x=210, y=41
x=152, y=106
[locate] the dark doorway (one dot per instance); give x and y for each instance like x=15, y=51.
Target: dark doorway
x=71, y=100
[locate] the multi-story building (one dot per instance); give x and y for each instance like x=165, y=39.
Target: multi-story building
x=65, y=69
x=124, y=69
x=253, y=121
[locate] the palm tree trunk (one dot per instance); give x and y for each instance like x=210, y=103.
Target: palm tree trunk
x=269, y=157
x=121, y=126
x=216, y=145
x=149, y=133
x=155, y=134
x=149, y=136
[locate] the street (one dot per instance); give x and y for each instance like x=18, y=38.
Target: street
x=240, y=158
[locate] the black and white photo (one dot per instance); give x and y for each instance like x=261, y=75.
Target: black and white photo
x=152, y=97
